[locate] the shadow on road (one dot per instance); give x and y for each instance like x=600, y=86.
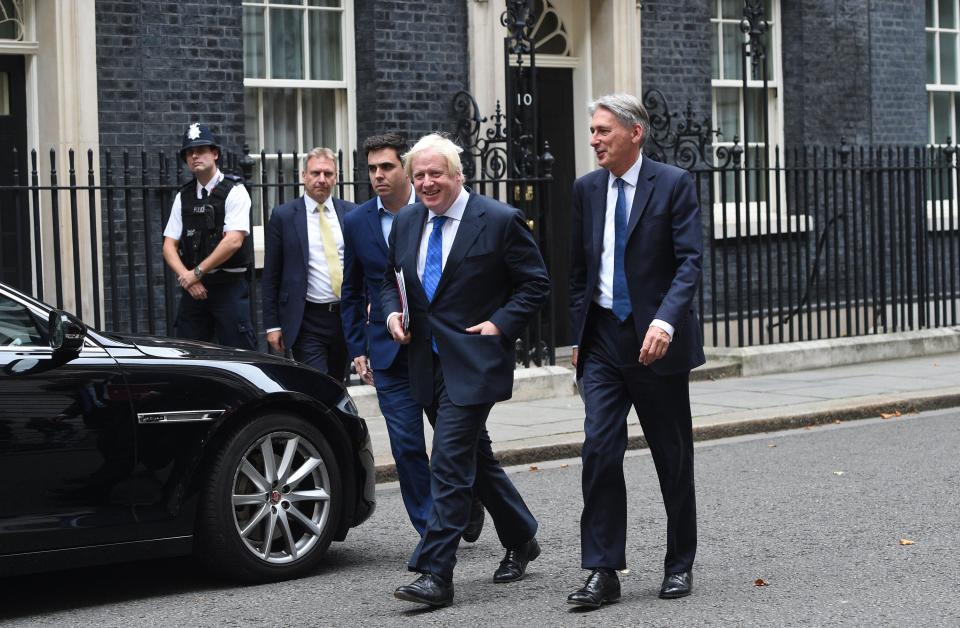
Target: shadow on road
x=89, y=587
x=46, y=593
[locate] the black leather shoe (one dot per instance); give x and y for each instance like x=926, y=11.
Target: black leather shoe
x=427, y=589
x=602, y=585
x=514, y=563
x=676, y=585
x=472, y=532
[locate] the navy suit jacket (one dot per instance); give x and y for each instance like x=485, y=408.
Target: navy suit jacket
x=364, y=264
x=494, y=272
x=662, y=259
x=286, y=258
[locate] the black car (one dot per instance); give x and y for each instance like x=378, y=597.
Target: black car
x=125, y=447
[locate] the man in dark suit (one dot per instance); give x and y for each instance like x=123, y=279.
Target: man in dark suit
x=303, y=271
x=366, y=233
x=635, y=267
x=474, y=277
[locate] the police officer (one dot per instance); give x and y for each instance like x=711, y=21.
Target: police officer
x=206, y=246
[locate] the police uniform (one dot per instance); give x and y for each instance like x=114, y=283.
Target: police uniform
x=199, y=217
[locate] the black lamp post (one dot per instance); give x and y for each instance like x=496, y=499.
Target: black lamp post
x=754, y=28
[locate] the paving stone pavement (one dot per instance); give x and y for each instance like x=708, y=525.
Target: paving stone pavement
x=729, y=406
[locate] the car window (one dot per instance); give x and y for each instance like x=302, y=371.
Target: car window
x=18, y=326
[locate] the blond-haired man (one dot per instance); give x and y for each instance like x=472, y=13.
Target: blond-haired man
x=474, y=277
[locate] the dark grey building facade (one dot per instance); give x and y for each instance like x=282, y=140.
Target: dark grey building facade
x=282, y=78
x=855, y=69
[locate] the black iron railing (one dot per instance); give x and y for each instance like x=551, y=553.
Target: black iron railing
x=133, y=194
x=816, y=242
x=824, y=243
x=842, y=242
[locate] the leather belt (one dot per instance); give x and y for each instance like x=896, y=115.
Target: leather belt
x=326, y=307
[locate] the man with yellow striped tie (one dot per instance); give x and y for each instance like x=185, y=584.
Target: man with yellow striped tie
x=303, y=270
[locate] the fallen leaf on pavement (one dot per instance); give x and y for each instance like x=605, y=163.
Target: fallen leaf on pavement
x=906, y=542
x=771, y=445
x=534, y=467
x=838, y=472
x=760, y=582
x=890, y=415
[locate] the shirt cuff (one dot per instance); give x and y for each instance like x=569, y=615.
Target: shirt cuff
x=664, y=325
x=392, y=314
x=272, y=329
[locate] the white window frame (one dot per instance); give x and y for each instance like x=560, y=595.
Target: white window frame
x=344, y=95
x=753, y=214
x=939, y=86
x=937, y=219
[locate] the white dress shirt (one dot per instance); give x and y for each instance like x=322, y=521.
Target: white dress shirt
x=319, y=287
x=236, y=213
x=449, y=231
x=604, y=294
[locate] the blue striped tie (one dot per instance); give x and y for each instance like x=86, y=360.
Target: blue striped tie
x=434, y=264
x=621, y=295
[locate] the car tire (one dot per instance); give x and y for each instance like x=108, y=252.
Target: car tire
x=271, y=502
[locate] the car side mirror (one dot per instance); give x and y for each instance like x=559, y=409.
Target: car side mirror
x=66, y=332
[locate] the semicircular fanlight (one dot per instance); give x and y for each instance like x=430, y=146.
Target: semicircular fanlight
x=549, y=35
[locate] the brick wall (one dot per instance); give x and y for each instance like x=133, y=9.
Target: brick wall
x=851, y=68
x=677, y=53
x=854, y=69
x=160, y=66
x=898, y=67
x=826, y=71
x=411, y=60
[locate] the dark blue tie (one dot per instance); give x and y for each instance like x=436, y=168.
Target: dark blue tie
x=621, y=296
x=434, y=264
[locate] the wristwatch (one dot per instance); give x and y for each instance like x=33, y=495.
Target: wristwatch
x=198, y=272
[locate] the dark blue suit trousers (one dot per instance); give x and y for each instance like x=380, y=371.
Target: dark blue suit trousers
x=613, y=379
x=458, y=431
x=404, y=419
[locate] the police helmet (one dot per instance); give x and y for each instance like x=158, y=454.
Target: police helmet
x=197, y=135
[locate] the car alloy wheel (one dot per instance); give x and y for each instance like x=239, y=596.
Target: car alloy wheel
x=272, y=503
x=281, y=492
